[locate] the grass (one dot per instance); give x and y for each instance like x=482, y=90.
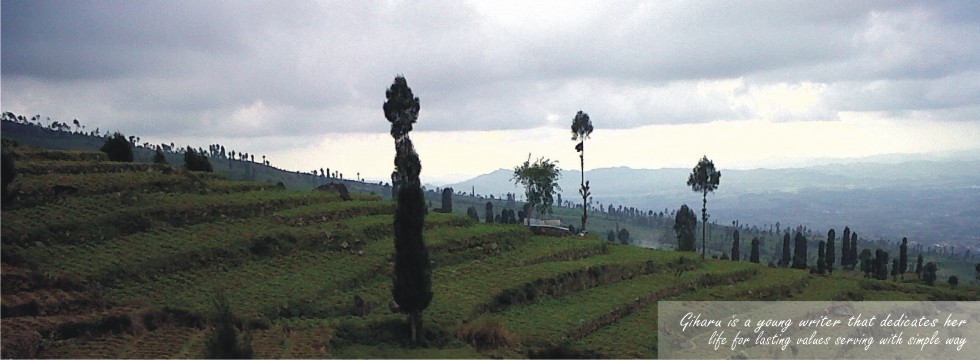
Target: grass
x=131, y=262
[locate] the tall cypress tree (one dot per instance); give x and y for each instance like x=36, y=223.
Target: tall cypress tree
x=754, y=255
x=799, y=254
x=854, y=248
x=845, y=256
x=830, y=251
x=735, y=245
x=918, y=266
x=903, y=257
x=785, y=260
x=821, y=257
x=412, y=287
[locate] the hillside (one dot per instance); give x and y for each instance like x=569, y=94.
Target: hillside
x=930, y=202
x=118, y=260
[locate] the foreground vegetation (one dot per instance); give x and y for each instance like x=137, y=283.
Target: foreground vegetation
x=129, y=265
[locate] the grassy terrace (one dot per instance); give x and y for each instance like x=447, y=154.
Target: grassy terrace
x=127, y=266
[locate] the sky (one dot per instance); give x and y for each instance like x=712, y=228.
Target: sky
x=747, y=83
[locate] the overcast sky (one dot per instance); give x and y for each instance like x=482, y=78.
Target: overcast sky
x=750, y=84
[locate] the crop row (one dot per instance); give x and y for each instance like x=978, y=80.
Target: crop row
x=83, y=167
x=45, y=302
x=552, y=321
x=461, y=291
x=39, y=154
x=169, y=249
x=635, y=336
x=113, y=215
x=332, y=211
x=282, y=286
x=38, y=189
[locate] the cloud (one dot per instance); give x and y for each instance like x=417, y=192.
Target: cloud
x=301, y=69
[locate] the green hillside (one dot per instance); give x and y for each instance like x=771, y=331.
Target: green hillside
x=127, y=265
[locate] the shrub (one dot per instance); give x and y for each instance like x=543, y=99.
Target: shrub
x=486, y=333
x=9, y=170
x=222, y=342
x=472, y=213
x=953, y=281
x=623, y=236
x=929, y=273
x=118, y=148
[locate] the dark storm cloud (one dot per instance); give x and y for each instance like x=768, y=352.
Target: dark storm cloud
x=246, y=69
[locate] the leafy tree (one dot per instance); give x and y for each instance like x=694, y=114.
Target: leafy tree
x=540, y=181
x=412, y=285
x=447, y=200
x=881, y=264
x=799, y=253
x=903, y=257
x=196, y=162
x=735, y=245
x=489, y=212
x=785, y=260
x=472, y=213
x=953, y=281
x=623, y=236
x=581, y=130
x=829, y=260
x=929, y=273
x=754, y=255
x=704, y=179
x=866, y=262
x=159, y=158
x=685, y=224
x=222, y=342
x=611, y=236
x=118, y=148
x=821, y=257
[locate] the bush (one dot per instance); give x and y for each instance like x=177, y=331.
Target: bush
x=196, y=162
x=929, y=273
x=472, y=213
x=9, y=170
x=485, y=334
x=623, y=236
x=118, y=148
x=953, y=281
x=222, y=342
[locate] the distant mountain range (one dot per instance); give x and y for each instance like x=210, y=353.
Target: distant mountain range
x=927, y=201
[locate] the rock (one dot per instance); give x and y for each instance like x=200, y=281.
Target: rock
x=64, y=190
x=339, y=188
x=360, y=306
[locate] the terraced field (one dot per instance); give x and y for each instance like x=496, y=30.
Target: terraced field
x=108, y=260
